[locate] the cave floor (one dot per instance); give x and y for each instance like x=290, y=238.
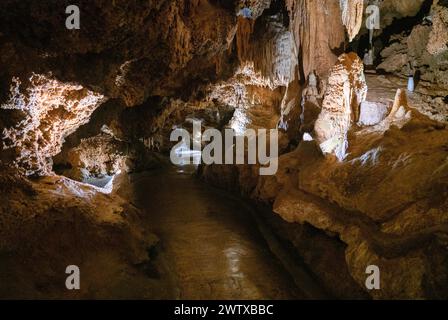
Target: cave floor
x=211, y=244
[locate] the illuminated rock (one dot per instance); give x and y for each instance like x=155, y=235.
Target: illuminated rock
x=346, y=90
x=52, y=110
x=372, y=113
x=352, y=16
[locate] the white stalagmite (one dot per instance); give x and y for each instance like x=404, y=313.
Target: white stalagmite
x=346, y=90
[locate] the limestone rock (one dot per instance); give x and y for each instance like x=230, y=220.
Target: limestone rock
x=124, y=50
x=352, y=16
x=438, y=39
x=256, y=7
x=97, y=156
x=425, y=47
x=372, y=113
x=346, y=90
x=51, y=223
x=51, y=111
x=394, y=63
x=396, y=9
x=318, y=32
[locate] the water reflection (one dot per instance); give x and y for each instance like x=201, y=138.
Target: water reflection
x=213, y=246
x=188, y=159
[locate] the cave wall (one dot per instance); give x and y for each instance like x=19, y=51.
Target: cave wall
x=69, y=91
x=425, y=47
x=163, y=48
x=135, y=71
x=123, y=51
x=371, y=204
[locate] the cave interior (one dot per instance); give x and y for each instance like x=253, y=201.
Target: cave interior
x=355, y=93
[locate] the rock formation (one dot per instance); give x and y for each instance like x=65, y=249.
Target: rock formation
x=346, y=91
x=438, y=38
x=54, y=222
x=46, y=112
x=352, y=16
x=362, y=171
x=318, y=32
x=425, y=47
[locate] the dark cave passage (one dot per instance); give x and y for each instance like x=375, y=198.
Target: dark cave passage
x=212, y=245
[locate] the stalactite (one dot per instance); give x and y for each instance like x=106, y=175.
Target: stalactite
x=352, y=16
x=243, y=34
x=317, y=33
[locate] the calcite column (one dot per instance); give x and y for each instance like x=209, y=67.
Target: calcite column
x=318, y=32
x=346, y=90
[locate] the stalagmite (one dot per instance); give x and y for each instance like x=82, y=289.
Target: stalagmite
x=346, y=90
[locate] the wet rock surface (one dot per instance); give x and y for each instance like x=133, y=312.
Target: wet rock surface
x=211, y=242
x=371, y=200
x=92, y=103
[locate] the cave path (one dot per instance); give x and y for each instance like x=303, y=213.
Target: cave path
x=212, y=245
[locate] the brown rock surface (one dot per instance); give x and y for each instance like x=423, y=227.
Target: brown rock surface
x=425, y=48
x=380, y=200
x=438, y=39
x=318, y=32
x=162, y=64
x=53, y=222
